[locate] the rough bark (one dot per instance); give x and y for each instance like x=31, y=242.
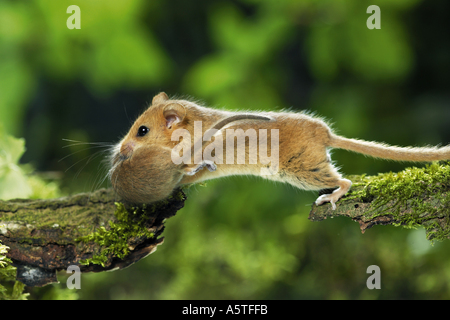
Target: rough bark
x=44, y=235
x=415, y=197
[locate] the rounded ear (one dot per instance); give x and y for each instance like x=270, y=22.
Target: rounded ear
x=174, y=113
x=160, y=98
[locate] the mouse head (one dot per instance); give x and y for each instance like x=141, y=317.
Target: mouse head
x=155, y=125
x=142, y=170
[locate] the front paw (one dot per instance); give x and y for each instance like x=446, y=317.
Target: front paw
x=210, y=165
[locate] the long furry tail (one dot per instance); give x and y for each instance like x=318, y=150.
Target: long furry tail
x=384, y=151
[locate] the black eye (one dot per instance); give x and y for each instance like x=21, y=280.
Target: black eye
x=142, y=131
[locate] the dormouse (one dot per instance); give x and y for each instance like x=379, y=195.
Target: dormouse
x=144, y=166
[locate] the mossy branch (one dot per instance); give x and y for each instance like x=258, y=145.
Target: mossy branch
x=410, y=198
x=89, y=230
x=94, y=232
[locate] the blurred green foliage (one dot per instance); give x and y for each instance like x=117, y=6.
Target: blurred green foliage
x=240, y=237
x=15, y=179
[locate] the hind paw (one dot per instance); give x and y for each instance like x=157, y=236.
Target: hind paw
x=326, y=198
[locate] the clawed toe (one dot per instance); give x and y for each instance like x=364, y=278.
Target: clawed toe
x=326, y=198
x=207, y=163
x=210, y=165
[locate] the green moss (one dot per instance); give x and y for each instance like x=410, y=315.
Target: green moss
x=4, y=261
x=8, y=274
x=414, y=197
x=129, y=224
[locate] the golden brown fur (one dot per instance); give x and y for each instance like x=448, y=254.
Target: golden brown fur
x=143, y=171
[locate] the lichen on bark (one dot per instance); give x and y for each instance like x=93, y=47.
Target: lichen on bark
x=414, y=197
x=91, y=230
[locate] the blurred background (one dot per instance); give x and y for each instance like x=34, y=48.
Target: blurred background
x=239, y=237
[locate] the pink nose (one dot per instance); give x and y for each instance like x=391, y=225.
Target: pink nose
x=127, y=149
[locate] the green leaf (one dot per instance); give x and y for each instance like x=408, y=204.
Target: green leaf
x=13, y=181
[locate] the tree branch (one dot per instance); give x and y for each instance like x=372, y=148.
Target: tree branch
x=87, y=230
x=93, y=232
x=411, y=198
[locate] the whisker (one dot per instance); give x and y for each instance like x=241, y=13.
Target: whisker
x=92, y=157
x=107, y=150
x=78, y=143
x=126, y=114
x=76, y=163
x=100, y=179
x=78, y=151
x=82, y=142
